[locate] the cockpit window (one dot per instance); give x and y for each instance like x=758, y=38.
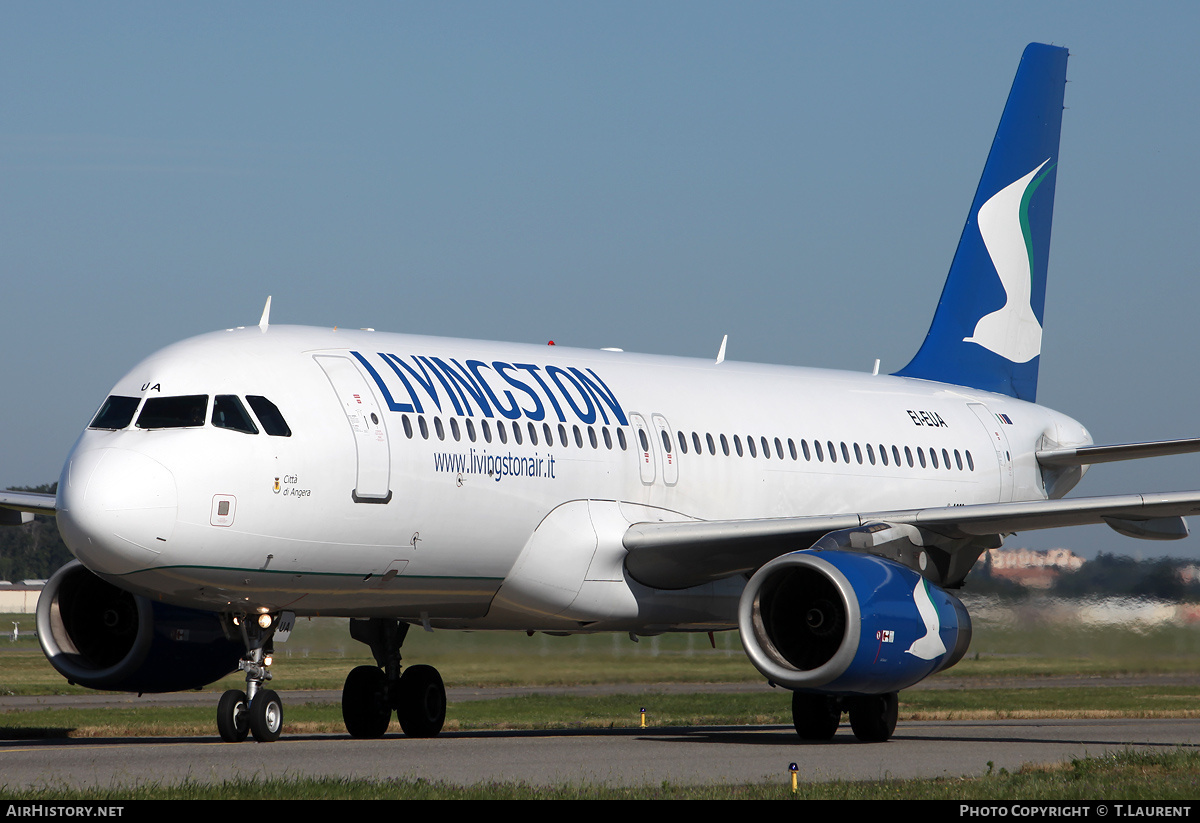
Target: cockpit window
x=173, y=412
x=229, y=413
x=116, y=413
x=272, y=421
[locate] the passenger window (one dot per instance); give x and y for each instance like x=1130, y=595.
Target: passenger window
x=592, y=438
x=470, y=430
x=857, y=454
x=945, y=458
x=750, y=446
x=845, y=453
x=437, y=427
x=908, y=456
x=958, y=459
x=820, y=454
x=970, y=462
x=737, y=445
x=804, y=448
x=621, y=439
x=712, y=447
x=424, y=428
x=548, y=434
x=229, y=413
x=933, y=457
x=562, y=435
x=487, y=431
x=607, y=439
x=532, y=434
x=454, y=432
x=116, y=413
x=516, y=432
x=579, y=439
x=682, y=443
x=921, y=456
x=766, y=448
x=792, y=448
x=696, y=443
x=870, y=453
x=832, y=451
x=173, y=412
x=408, y=429
x=883, y=454
x=502, y=432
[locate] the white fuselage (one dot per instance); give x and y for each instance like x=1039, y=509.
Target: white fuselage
x=352, y=515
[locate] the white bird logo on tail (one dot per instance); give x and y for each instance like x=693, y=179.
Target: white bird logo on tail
x=1013, y=331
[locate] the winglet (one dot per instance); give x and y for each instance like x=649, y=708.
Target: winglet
x=265, y=321
x=987, y=330
x=721, y=353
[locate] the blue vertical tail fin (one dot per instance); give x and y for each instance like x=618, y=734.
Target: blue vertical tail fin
x=987, y=330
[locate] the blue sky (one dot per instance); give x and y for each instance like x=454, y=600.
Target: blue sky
x=646, y=175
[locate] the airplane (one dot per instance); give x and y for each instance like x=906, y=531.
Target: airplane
x=235, y=481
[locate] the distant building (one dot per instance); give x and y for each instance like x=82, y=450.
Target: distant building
x=20, y=598
x=1189, y=573
x=1031, y=568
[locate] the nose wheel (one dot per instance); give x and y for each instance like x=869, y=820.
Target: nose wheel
x=257, y=711
x=266, y=716
x=233, y=724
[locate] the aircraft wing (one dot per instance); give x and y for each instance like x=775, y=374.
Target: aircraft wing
x=1090, y=455
x=32, y=502
x=682, y=554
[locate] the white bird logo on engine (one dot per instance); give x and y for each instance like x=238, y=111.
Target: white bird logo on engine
x=931, y=645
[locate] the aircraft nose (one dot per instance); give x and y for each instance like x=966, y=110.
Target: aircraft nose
x=116, y=509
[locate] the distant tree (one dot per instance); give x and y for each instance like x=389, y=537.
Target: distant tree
x=1111, y=574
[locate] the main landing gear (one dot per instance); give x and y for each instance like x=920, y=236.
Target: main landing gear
x=256, y=711
x=872, y=716
x=372, y=693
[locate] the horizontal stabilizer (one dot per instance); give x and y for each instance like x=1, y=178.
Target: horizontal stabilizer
x=679, y=555
x=1090, y=455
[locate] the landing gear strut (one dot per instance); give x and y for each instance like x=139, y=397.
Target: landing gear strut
x=371, y=693
x=256, y=711
x=872, y=716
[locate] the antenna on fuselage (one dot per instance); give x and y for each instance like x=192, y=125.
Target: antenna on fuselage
x=721, y=353
x=265, y=320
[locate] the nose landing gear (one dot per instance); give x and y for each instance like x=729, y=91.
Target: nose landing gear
x=256, y=711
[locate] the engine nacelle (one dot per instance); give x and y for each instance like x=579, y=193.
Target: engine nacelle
x=102, y=637
x=849, y=623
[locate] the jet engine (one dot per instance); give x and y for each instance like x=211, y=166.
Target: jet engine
x=102, y=637
x=843, y=622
